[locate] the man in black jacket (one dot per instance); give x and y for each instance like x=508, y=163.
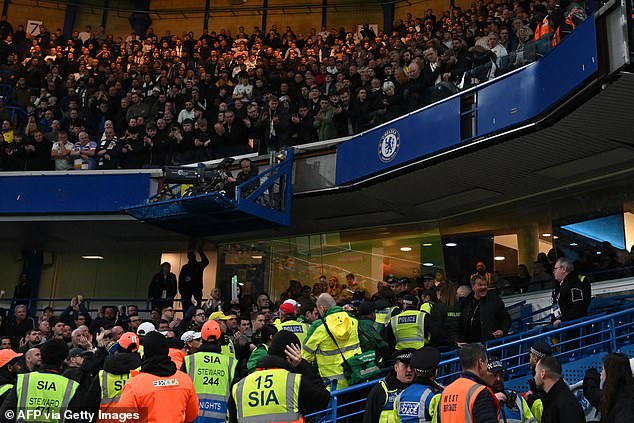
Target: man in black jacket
x=190, y=279
x=571, y=297
x=162, y=289
x=484, y=316
x=560, y=405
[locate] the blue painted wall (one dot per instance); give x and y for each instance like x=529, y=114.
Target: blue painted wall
x=507, y=102
x=75, y=193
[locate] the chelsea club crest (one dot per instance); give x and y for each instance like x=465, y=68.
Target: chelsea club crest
x=388, y=145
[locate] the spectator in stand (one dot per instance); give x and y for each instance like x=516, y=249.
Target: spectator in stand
x=190, y=279
x=162, y=289
x=21, y=292
x=614, y=398
x=484, y=315
x=20, y=325
x=5, y=343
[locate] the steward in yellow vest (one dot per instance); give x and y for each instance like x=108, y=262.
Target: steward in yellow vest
x=284, y=388
x=212, y=374
x=9, y=368
x=46, y=392
x=118, y=368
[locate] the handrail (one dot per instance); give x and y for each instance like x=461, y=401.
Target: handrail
x=517, y=354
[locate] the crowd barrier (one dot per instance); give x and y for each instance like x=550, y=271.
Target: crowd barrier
x=578, y=345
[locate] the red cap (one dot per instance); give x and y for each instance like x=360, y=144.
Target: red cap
x=287, y=308
x=7, y=355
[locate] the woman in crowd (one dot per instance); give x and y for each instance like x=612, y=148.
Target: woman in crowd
x=616, y=400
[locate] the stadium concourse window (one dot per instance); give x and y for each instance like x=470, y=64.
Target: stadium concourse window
x=107, y=101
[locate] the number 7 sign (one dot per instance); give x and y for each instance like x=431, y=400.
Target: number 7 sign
x=33, y=27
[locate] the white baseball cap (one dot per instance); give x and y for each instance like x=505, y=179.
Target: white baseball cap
x=145, y=328
x=190, y=335
x=290, y=301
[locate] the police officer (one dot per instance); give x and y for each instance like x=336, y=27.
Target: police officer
x=539, y=350
x=45, y=391
x=469, y=398
x=409, y=329
x=513, y=408
x=288, y=322
x=283, y=389
x=384, y=312
x=9, y=368
x=380, y=404
x=212, y=374
x=118, y=367
x=419, y=402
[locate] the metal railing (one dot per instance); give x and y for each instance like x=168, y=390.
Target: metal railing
x=573, y=342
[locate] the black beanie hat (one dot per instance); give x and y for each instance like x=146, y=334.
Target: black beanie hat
x=280, y=341
x=54, y=352
x=155, y=344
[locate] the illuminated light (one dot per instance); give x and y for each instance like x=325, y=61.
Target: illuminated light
x=451, y=244
x=406, y=249
x=428, y=264
x=546, y=235
x=555, y=237
x=92, y=257
x=257, y=257
x=499, y=258
x=573, y=244
x=598, y=253
x=427, y=244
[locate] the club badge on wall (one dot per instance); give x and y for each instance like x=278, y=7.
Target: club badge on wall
x=389, y=144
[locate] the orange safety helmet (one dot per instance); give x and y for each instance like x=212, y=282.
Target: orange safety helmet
x=211, y=331
x=129, y=341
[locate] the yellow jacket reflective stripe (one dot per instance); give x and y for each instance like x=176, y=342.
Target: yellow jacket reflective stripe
x=47, y=392
x=409, y=329
x=268, y=396
x=294, y=326
x=111, y=387
x=212, y=375
x=384, y=315
x=319, y=346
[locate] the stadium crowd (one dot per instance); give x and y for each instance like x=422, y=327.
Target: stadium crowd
x=96, y=101
x=313, y=331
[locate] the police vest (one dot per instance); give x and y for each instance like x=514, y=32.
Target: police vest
x=456, y=402
x=268, y=396
x=516, y=412
x=111, y=387
x=409, y=329
x=414, y=404
x=212, y=375
x=296, y=327
x=47, y=393
x=383, y=316
x=387, y=413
